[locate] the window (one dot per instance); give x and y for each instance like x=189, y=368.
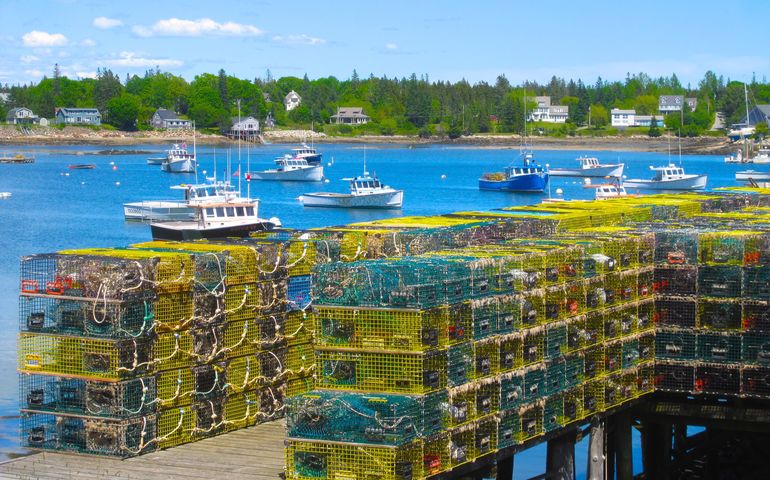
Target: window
x=239, y=211
x=220, y=212
x=230, y=211
x=250, y=211
x=209, y=212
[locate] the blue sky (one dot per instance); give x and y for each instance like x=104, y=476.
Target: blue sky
x=447, y=40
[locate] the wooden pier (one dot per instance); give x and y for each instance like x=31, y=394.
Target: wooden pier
x=254, y=453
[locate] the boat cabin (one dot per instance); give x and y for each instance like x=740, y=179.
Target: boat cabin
x=179, y=152
x=610, y=191
x=670, y=172
x=304, y=151
x=516, y=171
x=364, y=184
x=588, y=162
x=291, y=163
x=228, y=212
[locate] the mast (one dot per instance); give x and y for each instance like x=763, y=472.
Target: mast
x=239, y=146
x=746, y=102
x=195, y=155
x=248, y=171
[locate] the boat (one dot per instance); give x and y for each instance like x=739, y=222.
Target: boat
x=606, y=191
x=737, y=157
x=589, y=167
x=307, y=153
x=82, y=166
x=194, y=194
x=762, y=156
x=179, y=160
x=530, y=177
x=366, y=191
x=156, y=160
x=740, y=131
x=670, y=177
x=5, y=195
x=752, y=176
x=18, y=158
x=235, y=218
x=292, y=169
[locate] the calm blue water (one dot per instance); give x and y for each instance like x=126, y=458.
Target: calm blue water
x=50, y=210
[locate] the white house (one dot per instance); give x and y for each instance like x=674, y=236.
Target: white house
x=545, y=112
x=622, y=118
x=163, y=118
x=292, y=100
x=245, y=128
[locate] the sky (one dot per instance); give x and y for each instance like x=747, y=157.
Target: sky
x=445, y=40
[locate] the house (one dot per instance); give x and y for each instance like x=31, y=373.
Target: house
x=292, y=100
x=244, y=128
x=622, y=118
x=163, y=118
x=350, y=116
x=673, y=103
x=78, y=116
x=646, y=120
x=269, y=121
x=760, y=113
x=21, y=115
x=545, y=112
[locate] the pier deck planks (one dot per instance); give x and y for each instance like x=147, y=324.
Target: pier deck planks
x=254, y=453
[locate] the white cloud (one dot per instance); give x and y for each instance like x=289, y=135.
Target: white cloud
x=28, y=58
x=133, y=59
x=391, y=46
x=86, y=74
x=34, y=72
x=178, y=27
x=37, y=38
x=106, y=23
x=88, y=43
x=301, y=39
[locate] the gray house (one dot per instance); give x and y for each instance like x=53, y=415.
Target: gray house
x=350, y=116
x=247, y=128
x=760, y=113
x=78, y=116
x=21, y=115
x=163, y=118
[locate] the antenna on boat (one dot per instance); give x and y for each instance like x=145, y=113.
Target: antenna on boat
x=680, y=148
x=215, y=164
x=240, y=128
x=195, y=154
x=365, y=172
x=248, y=171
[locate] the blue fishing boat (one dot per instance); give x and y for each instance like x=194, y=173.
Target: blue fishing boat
x=529, y=177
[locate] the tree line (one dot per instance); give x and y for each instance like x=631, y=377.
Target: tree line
x=411, y=105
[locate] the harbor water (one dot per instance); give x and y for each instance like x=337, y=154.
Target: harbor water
x=53, y=207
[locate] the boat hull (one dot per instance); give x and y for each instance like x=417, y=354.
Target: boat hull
x=392, y=199
x=518, y=183
x=179, y=166
x=156, y=161
x=311, y=174
x=602, y=171
x=172, y=231
x=694, y=182
x=157, y=211
x=747, y=175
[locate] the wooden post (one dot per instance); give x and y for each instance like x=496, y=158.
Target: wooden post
x=560, y=457
x=597, y=456
x=656, y=449
x=624, y=462
x=505, y=468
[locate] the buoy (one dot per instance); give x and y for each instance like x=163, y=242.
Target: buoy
x=82, y=183
x=328, y=164
x=326, y=180
x=559, y=191
x=66, y=174
x=443, y=176
x=275, y=221
x=117, y=184
x=112, y=163
x=587, y=181
x=114, y=167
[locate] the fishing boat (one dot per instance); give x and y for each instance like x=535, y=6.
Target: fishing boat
x=307, y=153
x=752, y=176
x=235, y=218
x=740, y=131
x=366, y=191
x=179, y=160
x=5, y=195
x=18, y=158
x=530, y=177
x=156, y=160
x=82, y=166
x=168, y=210
x=613, y=189
x=589, y=167
x=762, y=156
x=737, y=157
x=291, y=169
x=670, y=177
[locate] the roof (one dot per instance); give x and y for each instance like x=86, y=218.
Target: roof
x=617, y=111
x=350, y=112
x=670, y=100
x=74, y=111
x=558, y=109
x=293, y=94
x=17, y=109
x=166, y=114
x=764, y=113
x=543, y=101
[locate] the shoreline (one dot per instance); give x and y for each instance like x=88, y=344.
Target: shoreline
x=86, y=136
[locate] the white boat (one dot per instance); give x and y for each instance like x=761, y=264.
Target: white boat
x=365, y=192
x=610, y=190
x=291, y=169
x=762, y=156
x=179, y=160
x=235, y=218
x=194, y=194
x=670, y=177
x=307, y=153
x=589, y=167
x=739, y=132
x=735, y=158
x=5, y=194
x=752, y=175
x=156, y=160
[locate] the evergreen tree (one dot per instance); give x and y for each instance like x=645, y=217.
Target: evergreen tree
x=223, y=87
x=654, y=131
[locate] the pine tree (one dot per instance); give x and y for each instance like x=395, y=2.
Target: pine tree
x=223, y=86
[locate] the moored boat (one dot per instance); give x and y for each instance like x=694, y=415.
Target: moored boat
x=194, y=194
x=589, y=167
x=156, y=160
x=309, y=154
x=606, y=191
x=179, y=160
x=18, y=158
x=237, y=218
x=530, y=177
x=82, y=166
x=5, y=195
x=670, y=177
x=291, y=169
x=752, y=175
x=366, y=191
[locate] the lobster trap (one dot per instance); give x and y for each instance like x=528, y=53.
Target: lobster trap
x=531, y=423
x=719, y=347
x=675, y=344
x=511, y=354
x=675, y=280
x=679, y=312
x=755, y=382
x=298, y=292
x=756, y=282
x=720, y=281
x=717, y=379
x=674, y=377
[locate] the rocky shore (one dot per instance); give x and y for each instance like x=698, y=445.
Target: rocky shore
x=11, y=135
